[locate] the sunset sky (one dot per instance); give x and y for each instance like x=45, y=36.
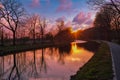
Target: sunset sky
x=71, y=11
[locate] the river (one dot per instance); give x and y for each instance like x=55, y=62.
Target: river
x=52, y=63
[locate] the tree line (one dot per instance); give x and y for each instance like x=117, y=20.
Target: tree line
x=106, y=25
x=15, y=21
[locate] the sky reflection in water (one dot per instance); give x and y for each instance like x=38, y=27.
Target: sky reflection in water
x=44, y=64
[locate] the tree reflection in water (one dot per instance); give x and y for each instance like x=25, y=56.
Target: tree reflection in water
x=19, y=65
x=15, y=66
x=1, y=67
x=34, y=70
x=43, y=62
x=36, y=63
x=63, y=52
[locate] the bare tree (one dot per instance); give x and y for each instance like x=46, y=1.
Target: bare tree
x=99, y=3
x=101, y=21
x=108, y=14
x=104, y=17
x=42, y=25
x=116, y=5
x=33, y=23
x=11, y=13
x=60, y=25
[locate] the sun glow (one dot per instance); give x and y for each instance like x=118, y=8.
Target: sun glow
x=74, y=31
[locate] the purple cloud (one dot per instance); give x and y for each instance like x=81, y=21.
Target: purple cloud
x=82, y=18
x=61, y=19
x=88, y=22
x=65, y=5
x=37, y=3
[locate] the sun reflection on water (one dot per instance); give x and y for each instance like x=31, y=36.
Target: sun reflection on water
x=75, y=49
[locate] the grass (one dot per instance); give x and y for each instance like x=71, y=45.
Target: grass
x=98, y=68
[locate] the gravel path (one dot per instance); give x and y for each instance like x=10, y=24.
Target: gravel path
x=115, y=52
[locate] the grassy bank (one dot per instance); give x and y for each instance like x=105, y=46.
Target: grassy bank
x=5, y=50
x=98, y=68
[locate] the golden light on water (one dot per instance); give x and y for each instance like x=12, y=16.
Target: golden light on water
x=76, y=49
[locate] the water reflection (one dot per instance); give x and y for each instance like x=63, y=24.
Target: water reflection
x=54, y=63
x=75, y=49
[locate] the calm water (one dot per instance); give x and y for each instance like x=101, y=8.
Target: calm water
x=55, y=63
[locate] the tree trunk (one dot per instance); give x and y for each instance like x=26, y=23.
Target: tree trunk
x=2, y=42
x=2, y=37
x=34, y=42
x=14, y=38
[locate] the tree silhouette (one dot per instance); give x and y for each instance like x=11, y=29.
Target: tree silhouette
x=108, y=16
x=11, y=15
x=1, y=35
x=33, y=23
x=60, y=25
x=42, y=25
x=99, y=3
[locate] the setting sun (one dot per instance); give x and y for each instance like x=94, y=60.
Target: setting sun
x=74, y=31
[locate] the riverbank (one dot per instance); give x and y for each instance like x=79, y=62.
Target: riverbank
x=10, y=49
x=98, y=68
x=6, y=50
